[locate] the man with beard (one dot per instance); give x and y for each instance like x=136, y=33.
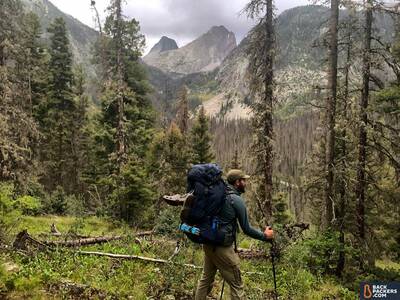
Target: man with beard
x=224, y=258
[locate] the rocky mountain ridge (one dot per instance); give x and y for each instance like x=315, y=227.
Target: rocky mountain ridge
x=213, y=66
x=81, y=36
x=299, y=62
x=204, y=54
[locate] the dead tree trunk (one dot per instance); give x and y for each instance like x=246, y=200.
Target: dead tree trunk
x=363, y=118
x=268, y=101
x=120, y=133
x=343, y=149
x=183, y=111
x=331, y=112
x=261, y=73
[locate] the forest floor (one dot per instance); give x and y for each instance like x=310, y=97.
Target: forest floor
x=65, y=274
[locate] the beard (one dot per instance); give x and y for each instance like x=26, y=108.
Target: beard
x=241, y=188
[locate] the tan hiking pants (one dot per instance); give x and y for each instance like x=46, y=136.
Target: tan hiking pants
x=227, y=262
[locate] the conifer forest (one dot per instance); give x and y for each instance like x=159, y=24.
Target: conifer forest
x=98, y=124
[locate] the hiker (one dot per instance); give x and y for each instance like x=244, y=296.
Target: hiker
x=224, y=258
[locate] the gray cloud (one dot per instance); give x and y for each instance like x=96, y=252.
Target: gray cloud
x=185, y=20
x=182, y=20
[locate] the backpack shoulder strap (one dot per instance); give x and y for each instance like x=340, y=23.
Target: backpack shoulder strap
x=230, y=192
x=234, y=221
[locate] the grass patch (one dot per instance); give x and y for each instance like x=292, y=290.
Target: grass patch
x=387, y=265
x=143, y=280
x=91, y=226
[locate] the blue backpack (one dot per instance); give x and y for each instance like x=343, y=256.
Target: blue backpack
x=199, y=216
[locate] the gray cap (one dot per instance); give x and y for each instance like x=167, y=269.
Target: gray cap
x=236, y=174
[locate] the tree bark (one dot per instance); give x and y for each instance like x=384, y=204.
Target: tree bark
x=121, y=147
x=343, y=149
x=363, y=118
x=331, y=112
x=2, y=56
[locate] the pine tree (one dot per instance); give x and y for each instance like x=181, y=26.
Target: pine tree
x=331, y=112
x=182, y=118
x=261, y=72
x=169, y=161
x=363, y=106
x=18, y=131
x=57, y=112
x=201, y=140
x=80, y=132
x=131, y=120
x=350, y=30
x=124, y=128
x=37, y=60
x=383, y=148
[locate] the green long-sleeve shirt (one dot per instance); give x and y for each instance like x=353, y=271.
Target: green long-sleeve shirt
x=235, y=210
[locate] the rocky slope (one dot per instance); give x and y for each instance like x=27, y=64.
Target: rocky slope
x=203, y=54
x=81, y=36
x=299, y=63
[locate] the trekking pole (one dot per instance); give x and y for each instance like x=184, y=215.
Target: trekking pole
x=273, y=268
x=222, y=291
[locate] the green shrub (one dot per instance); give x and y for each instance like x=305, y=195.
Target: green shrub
x=56, y=202
x=294, y=282
x=281, y=209
x=3, y=277
x=168, y=222
x=9, y=214
x=29, y=205
x=75, y=205
x=77, y=226
x=24, y=284
x=323, y=253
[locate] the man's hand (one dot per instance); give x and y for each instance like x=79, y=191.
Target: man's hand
x=269, y=233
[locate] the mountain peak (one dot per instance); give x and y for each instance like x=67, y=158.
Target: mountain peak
x=201, y=55
x=165, y=44
x=219, y=30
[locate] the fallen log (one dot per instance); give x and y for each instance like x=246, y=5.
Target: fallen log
x=252, y=254
x=94, y=240
x=85, y=241
x=136, y=257
x=149, y=259
x=23, y=240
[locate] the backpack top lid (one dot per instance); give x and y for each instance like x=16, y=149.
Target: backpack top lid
x=206, y=174
x=206, y=184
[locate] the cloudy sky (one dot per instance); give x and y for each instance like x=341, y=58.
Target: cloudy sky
x=182, y=20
